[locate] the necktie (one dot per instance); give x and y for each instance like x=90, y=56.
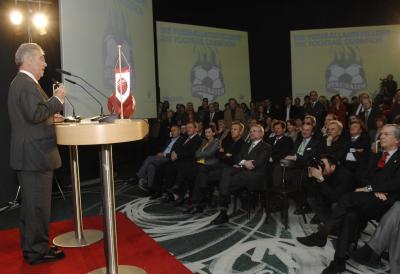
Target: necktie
x=211, y=116
x=251, y=147
x=276, y=140
x=382, y=160
x=366, y=119
x=301, y=148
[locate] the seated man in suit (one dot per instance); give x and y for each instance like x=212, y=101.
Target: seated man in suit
x=386, y=236
x=147, y=171
x=248, y=172
x=281, y=147
x=335, y=143
x=305, y=148
x=381, y=180
x=327, y=182
x=358, y=148
x=227, y=156
x=181, y=157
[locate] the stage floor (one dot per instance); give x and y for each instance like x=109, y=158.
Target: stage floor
x=241, y=246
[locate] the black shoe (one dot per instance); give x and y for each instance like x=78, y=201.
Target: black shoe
x=335, y=267
x=221, y=219
x=155, y=195
x=315, y=220
x=169, y=197
x=193, y=210
x=366, y=256
x=179, y=201
x=315, y=239
x=303, y=210
x=51, y=256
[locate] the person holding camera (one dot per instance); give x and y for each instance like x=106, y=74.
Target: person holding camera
x=328, y=181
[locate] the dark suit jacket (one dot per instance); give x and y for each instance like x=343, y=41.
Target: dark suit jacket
x=178, y=143
x=312, y=149
x=362, y=142
x=294, y=113
x=187, y=151
x=340, y=182
x=386, y=180
x=232, y=148
x=33, y=137
x=260, y=154
x=338, y=149
x=219, y=115
x=281, y=149
x=371, y=117
x=318, y=111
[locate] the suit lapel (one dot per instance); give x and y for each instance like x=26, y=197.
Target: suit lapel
x=393, y=161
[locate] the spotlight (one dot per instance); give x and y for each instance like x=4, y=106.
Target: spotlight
x=16, y=17
x=40, y=20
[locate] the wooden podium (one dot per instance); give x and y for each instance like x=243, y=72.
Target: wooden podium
x=104, y=135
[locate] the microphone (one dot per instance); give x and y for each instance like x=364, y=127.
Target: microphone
x=61, y=71
x=94, y=98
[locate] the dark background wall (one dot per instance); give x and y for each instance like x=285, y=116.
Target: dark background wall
x=267, y=22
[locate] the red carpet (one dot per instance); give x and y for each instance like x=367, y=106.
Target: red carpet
x=134, y=247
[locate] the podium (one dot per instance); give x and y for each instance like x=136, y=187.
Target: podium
x=103, y=135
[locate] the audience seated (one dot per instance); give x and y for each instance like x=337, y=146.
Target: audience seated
x=380, y=182
x=227, y=154
x=147, y=171
x=172, y=173
x=248, y=171
x=360, y=154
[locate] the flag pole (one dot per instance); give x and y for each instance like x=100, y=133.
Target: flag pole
x=120, y=82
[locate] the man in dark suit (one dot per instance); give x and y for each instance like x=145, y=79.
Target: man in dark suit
x=181, y=157
x=358, y=149
x=147, y=171
x=289, y=111
x=386, y=236
x=248, y=172
x=369, y=114
x=34, y=152
x=304, y=150
x=213, y=116
x=316, y=109
x=381, y=188
x=227, y=155
x=281, y=147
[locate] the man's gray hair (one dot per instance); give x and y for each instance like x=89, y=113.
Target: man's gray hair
x=26, y=50
x=396, y=130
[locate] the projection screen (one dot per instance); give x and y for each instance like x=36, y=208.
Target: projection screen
x=344, y=61
x=197, y=62
x=90, y=33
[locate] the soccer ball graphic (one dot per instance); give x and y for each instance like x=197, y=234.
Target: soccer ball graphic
x=346, y=75
x=207, y=83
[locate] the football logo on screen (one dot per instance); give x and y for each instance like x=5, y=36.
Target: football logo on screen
x=345, y=74
x=207, y=77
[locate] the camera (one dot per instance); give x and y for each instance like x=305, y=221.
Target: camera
x=316, y=162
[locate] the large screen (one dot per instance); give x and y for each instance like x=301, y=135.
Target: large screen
x=344, y=61
x=196, y=62
x=90, y=33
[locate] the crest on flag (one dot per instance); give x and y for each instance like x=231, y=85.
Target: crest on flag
x=122, y=83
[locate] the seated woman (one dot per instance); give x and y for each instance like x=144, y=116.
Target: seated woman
x=204, y=156
x=227, y=152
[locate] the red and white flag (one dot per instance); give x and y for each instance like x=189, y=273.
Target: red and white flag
x=122, y=83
